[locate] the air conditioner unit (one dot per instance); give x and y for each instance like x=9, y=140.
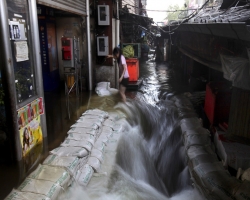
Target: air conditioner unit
x=102, y=46
x=103, y=15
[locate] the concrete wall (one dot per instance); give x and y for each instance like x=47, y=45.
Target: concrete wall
x=71, y=27
x=105, y=74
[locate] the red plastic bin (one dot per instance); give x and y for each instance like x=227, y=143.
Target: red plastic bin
x=133, y=68
x=217, y=102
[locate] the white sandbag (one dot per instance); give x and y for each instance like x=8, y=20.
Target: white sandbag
x=96, y=112
x=53, y=174
x=47, y=188
x=70, y=163
x=106, y=129
x=18, y=195
x=199, y=130
x=103, y=138
x=82, y=137
x=190, y=123
x=201, y=159
x=194, y=151
x=99, y=145
x=83, y=130
x=97, y=154
x=114, y=116
x=243, y=191
x=70, y=151
x=78, y=143
x=95, y=117
x=118, y=128
x=85, y=125
x=90, y=121
x=105, y=85
x=102, y=92
x=95, y=163
x=113, y=91
x=107, y=133
x=220, y=185
x=83, y=161
x=109, y=123
x=194, y=120
x=246, y=175
x=183, y=105
x=197, y=139
x=84, y=175
x=202, y=169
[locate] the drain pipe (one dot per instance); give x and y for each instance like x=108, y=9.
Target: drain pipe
x=117, y=41
x=89, y=46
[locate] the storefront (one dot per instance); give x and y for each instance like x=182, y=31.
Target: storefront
x=30, y=63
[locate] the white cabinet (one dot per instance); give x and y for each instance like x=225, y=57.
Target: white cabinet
x=103, y=15
x=102, y=46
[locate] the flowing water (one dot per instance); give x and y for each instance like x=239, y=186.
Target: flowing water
x=149, y=160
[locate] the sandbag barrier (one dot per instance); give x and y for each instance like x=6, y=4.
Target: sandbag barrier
x=74, y=161
x=208, y=174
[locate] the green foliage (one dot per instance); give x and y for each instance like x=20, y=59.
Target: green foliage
x=175, y=15
x=128, y=51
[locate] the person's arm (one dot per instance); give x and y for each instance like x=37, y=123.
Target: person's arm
x=109, y=56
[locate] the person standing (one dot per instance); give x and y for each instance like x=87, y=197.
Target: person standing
x=123, y=71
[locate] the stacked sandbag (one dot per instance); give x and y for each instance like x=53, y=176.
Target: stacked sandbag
x=75, y=160
x=207, y=172
x=42, y=187
x=54, y=174
x=18, y=195
x=102, y=89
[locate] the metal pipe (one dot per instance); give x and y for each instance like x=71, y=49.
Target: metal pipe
x=6, y=65
x=117, y=42
x=37, y=58
x=89, y=46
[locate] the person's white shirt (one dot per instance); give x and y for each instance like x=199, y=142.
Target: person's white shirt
x=123, y=62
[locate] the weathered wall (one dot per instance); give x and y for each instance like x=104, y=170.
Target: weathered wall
x=105, y=74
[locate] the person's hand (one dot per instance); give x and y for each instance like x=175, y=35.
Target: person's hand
x=109, y=56
x=120, y=80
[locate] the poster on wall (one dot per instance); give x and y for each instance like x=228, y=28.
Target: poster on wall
x=29, y=112
x=31, y=135
x=21, y=51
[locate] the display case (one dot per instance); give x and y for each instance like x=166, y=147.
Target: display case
x=21, y=50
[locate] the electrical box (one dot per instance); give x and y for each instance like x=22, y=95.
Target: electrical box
x=67, y=52
x=103, y=15
x=102, y=46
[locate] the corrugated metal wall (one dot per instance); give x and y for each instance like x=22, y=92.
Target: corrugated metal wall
x=73, y=6
x=239, y=120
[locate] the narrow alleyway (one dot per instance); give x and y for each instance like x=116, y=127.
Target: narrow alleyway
x=150, y=159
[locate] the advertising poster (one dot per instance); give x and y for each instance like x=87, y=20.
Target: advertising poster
x=29, y=125
x=31, y=135
x=29, y=112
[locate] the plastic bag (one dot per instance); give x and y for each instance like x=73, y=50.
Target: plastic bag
x=47, y=188
x=70, y=151
x=53, y=174
x=84, y=175
x=70, y=163
x=18, y=195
